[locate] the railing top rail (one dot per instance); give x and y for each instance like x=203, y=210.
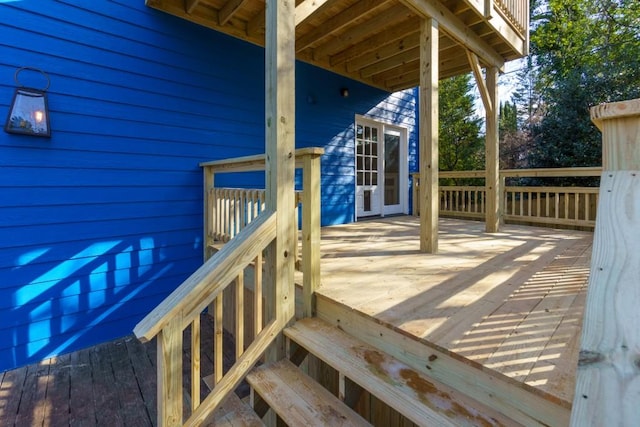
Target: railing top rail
x=195, y=293
x=525, y=173
x=257, y=162
x=546, y=189
x=551, y=172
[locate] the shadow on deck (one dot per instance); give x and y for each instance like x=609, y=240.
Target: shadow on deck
x=511, y=301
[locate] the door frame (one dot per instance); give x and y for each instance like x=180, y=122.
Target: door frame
x=383, y=126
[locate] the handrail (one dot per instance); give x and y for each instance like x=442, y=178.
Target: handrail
x=257, y=162
x=307, y=159
x=208, y=281
x=182, y=309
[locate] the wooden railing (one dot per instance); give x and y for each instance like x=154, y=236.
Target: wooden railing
x=549, y=205
x=181, y=311
x=227, y=211
x=179, y=315
x=516, y=12
x=234, y=208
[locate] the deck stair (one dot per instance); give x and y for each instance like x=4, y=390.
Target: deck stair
x=234, y=413
x=419, y=398
x=298, y=399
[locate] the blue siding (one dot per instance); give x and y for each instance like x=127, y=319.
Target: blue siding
x=99, y=223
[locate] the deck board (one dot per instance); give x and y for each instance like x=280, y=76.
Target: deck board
x=111, y=384
x=512, y=300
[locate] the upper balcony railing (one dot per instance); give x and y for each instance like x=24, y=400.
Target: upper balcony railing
x=514, y=11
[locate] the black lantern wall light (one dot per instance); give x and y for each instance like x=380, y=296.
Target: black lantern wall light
x=29, y=111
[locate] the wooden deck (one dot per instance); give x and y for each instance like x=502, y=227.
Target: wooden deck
x=512, y=301
x=112, y=384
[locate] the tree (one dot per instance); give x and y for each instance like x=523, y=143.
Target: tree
x=587, y=52
x=515, y=142
x=460, y=145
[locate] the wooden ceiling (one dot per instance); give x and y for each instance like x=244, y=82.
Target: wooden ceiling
x=372, y=41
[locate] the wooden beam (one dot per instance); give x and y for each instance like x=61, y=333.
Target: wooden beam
x=228, y=10
x=390, y=35
x=429, y=191
x=204, y=16
x=482, y=87
x=255, y=26
x=308, y=7
x=337, y=22
x=360, y=32
x=492, y=155
x=391, y=62
x=385, y=50
x=189, y=5
x=280, y=146
x=608, y=377
x=453, y=26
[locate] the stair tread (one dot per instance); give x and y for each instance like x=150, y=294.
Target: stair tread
x=233, y=413
x=298, y=399
x=420, y=398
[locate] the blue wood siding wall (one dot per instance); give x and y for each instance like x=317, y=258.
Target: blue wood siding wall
x=101, y=221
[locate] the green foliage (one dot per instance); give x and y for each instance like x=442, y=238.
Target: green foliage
x=508, y=118
x=587, y=52
x=460, y=145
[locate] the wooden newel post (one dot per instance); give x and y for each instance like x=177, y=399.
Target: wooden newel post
x=608, y=378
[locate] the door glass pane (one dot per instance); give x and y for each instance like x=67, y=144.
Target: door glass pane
x=391, y=168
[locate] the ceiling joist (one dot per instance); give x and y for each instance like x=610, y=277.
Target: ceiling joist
x=453, y=26
x=308, y=8
x=227, y=11
x=375, y=41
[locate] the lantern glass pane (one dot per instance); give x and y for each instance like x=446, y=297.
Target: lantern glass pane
x=29, y=114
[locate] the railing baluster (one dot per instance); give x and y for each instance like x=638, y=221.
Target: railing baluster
x=547, y=205
x=239, y=312
x=195, y=363
x=218, y=330
x=257, y=296
x=587, y=207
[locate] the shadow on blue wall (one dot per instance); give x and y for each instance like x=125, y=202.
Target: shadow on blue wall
x=89, y=298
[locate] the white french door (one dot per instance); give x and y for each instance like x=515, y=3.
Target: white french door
x=381, y=169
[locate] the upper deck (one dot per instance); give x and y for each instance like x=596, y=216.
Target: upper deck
x=377, y=41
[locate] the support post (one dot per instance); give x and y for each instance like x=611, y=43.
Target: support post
x=492, y=155
x=608, y=377
x=429, y=192
x=209, y=212
x=310, y=231
x=280, y=162
x=169, y=375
